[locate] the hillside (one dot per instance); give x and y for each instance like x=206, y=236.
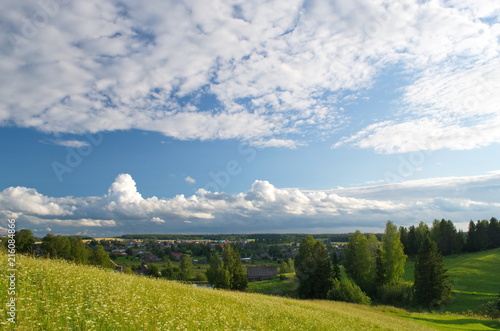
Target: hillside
x=56, y=295
x=475, y=279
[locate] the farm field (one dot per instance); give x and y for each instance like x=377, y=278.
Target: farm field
x=57, y=295
x=475, y=279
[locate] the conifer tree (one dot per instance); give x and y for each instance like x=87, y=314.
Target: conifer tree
x=432, y=286
x=313, y=268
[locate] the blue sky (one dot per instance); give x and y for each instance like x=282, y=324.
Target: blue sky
x=235, y=116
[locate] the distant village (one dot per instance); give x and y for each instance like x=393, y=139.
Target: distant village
x=262, y=258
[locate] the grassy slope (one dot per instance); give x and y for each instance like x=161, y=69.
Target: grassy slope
x=475, y=279
x=57, y=295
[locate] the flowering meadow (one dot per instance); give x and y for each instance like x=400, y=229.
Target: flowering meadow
x=58, y=295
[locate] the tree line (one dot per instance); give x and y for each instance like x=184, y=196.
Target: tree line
x=480, y=236
x=63, y=247
x=374, y=269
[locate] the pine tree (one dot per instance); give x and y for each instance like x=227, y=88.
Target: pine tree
x=493, y=231
x=432, y=286
x=472, y=244
x=313, y=269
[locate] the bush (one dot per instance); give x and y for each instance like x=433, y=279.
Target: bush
x=489, y=309
x=201, y=277
x=346, y=290
x=398, y=294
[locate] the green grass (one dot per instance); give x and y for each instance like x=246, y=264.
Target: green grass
x=57, y=295
x=450, y=322
x=274, y=286
x=475, y=276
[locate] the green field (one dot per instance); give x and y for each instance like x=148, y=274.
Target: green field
x=475, y=276
x=57, y=295
x=275, y=286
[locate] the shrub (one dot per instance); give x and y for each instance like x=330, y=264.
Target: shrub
x=489, y=309
x=201, y=277
x=398, y=294
x=346, y=290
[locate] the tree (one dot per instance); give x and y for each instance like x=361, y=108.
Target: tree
x=79, y=252
x=186, y=265
x=99, y=257
x=172, y=272
x=335, y=266
x=347, y=291
x=483, y=237
x=432, y=286
x=493, y=231
x=56, y=246
x=24, y=241
x=286, y=266
x=237, y=275
x=154, y=271
x=472, y=244
x=446, y=237
x=359, y=262
x=313, y=269
x=217, y=275
x=403, y=235
x=227, y=272
x=393, y=256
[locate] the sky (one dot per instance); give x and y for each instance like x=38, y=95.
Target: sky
x=222, y=116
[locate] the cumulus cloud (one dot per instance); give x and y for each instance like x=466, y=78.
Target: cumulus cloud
x=267, y=72
x=157, y=220
x=263, y=207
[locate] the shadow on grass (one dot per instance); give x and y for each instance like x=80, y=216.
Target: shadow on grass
x=493, y=325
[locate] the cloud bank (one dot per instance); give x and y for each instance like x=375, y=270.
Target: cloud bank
x=263, y=208
x=273, y=73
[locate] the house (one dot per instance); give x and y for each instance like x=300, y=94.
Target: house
x=177, y=256
x=150, y=257
x=142, y=270
x=263, y=272
x=119, y=252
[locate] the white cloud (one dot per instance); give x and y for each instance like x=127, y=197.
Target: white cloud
x=71, y=143
x=274, y=70
x=190, y=180
x=457, y=110
x=262, y=208
x=273, y=142
x=157, y=220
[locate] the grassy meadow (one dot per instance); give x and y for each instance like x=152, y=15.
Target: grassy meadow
x=475, y=276
x=57, y=295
